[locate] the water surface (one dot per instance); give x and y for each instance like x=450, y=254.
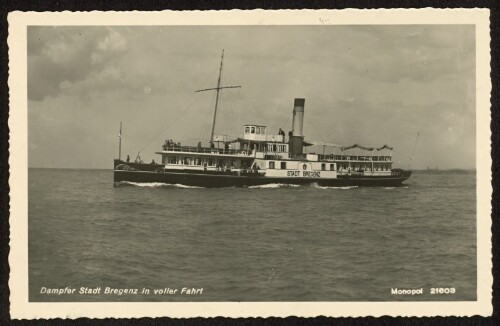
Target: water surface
x=270, y=243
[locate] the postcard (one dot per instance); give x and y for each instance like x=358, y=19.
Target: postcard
x=250, y=163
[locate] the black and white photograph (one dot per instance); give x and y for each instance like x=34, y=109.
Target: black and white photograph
x=316, y=161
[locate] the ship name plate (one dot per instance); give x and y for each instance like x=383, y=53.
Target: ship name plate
x=304, y=174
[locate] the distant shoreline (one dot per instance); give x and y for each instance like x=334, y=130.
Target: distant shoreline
x=438, y=171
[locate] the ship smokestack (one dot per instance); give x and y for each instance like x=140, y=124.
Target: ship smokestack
x=298, y=116
x=296, y=140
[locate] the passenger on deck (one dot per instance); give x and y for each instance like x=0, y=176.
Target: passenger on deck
x=199, y=146
x=128, y=158
x=153, y=162
x=282, y=133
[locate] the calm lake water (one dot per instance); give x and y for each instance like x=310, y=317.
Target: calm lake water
x=272, y=243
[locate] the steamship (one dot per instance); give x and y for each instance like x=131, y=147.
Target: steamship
x=258, y=158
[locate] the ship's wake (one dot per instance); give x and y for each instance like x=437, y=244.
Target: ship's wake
x=265, y=186
x=274, y=186
x=315, y=185
x=156, y=185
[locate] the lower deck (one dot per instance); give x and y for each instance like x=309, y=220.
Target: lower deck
x=244, y=178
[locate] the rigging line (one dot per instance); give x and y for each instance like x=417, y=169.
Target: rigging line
x=162, y=128
x=226, y=119
x=230, y=126
x=402, y=153
x=201, y=130
x=240, y=105
x=237, y=118
x=229, y=117
x=225, y=125
x=229, y=110
x=287, y=119
x=414, y=148
x=207, y=121
x=250, y=103
x=310, y=122
x=183, y=111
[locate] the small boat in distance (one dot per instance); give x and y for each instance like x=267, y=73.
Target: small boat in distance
x=258, y=158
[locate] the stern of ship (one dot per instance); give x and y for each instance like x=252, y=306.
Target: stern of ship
x=402, y=174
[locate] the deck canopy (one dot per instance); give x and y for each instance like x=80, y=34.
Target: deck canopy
x=385, y=147
x=320, y=143
x=344, y=148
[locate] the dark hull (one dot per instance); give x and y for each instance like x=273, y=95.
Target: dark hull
x=217, y=180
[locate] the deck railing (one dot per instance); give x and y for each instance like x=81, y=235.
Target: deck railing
x=351, y=158
x=206, y=150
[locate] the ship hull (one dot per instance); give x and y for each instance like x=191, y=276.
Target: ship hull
x=208, y=179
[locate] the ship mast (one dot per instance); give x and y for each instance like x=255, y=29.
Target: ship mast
x=120, y=143
x=217, y=89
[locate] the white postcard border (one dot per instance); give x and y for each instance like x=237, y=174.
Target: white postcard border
x=21, y=308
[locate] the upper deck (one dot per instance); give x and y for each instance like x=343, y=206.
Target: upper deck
x=230, y=152
x=198, y=150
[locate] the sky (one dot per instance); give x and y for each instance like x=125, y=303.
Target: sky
x=371, y=85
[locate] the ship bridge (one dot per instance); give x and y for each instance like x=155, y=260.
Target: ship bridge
x=259, y=133
x=255, y=138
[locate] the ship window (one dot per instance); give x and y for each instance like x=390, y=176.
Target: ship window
x=323, y=166
x=172, y=160
x=197, y=161
x=257, y=131
x=271, y=165
x=247, y=130
x=252, y=130
x=210, y=162
x=332, y=167
x=283, y=165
